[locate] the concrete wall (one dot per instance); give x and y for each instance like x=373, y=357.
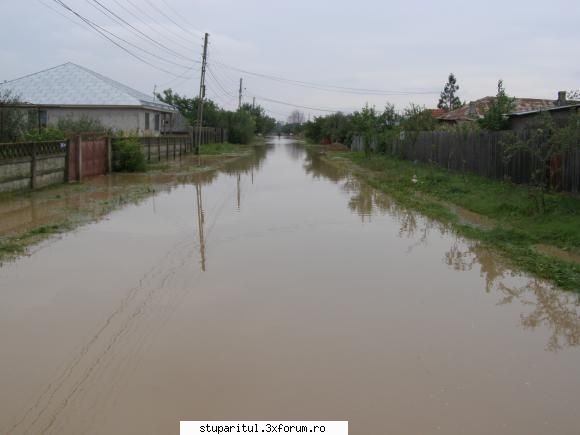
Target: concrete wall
x=131, y=121
x=16, y=175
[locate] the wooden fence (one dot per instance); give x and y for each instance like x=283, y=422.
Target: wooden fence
x=171, y=147
x=32, y=165
x=482, y=153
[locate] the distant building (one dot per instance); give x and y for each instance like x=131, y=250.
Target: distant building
x=70, y=91
x=524, y=108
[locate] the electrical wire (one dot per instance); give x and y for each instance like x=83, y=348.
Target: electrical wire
x=328, y=88
x=103, y=33
x=152, y=28
x=317, y=109
x=120, y=20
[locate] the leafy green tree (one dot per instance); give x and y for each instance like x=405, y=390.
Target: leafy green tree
x=212, y=113
x=241, y=126
x=542, y=143
x=264, y=123
x=417, y=118
x=495, y=119
x=449, y=100
x=13, y=119
x=369, y=124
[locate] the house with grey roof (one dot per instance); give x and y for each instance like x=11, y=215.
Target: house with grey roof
x=70, y=91
x=523, y=112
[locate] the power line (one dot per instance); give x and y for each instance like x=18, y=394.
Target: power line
x=328, y=88
x=118, y=18
x=285, y=103
x=217, y=82
x=103, y=32
x=177, y=14
x=167, y=16
x=152, y=27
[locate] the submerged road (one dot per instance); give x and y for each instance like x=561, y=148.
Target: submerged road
x=281, y=289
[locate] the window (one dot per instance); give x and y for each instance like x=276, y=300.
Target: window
x=147, y=122
x=42, y=119
x=37, y=119
x=157, y=122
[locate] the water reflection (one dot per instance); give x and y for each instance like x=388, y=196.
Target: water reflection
x=542, y=304
x=200, y=224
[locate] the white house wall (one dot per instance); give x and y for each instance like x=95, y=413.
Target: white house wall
x=121, y=120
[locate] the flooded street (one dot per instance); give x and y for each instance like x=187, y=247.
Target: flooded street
x=280, y=288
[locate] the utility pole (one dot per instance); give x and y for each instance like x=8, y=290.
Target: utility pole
x=254, y=103
x=201, y=95
x=240, y=95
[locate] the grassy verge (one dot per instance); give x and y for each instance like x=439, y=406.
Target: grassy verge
x=213, y=149
x=511, y=227
x=74, y=205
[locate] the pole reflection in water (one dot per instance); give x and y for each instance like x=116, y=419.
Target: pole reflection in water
x=238, y=191
x=200, y=224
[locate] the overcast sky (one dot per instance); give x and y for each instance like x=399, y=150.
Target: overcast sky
x=404, y=46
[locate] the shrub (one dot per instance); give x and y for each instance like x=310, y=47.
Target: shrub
x=82, y=125
x=241, y=127
x=131, y=157
x=46, y=134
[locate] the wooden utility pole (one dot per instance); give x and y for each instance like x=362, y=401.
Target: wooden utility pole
x=240, y=95
x=254, y=103
x=201, y=95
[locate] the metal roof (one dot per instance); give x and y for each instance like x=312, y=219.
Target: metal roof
x=551, y=109
x=477, y=109
x=72, y=85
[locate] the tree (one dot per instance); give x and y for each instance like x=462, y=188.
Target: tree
x=264, y=123
x=369, y=124
x=296, y=117
x=417, y=118
x=448, y=100
x=13, y=119
x=573, y=95
x=495, y=119
x=212, y=113
x=240, y=125
x=544, y=142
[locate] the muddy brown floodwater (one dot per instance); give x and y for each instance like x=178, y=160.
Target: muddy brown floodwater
x=281, y=289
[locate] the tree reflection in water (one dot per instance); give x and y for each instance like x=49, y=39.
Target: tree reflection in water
x=545, y=305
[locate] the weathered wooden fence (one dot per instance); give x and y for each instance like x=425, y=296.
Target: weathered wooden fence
x=171, y=147
x=164, y=147
x=32, y=165
x=210, y=135
x=482, y=153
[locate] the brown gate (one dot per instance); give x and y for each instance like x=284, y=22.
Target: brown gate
x=88, y=156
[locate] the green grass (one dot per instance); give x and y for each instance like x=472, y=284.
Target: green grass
x=517, y=227
x=213, y=149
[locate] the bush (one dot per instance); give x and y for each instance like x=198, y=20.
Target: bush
x=82, y=125
x=241, y=127
x=131, y=157
x=46, y=134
